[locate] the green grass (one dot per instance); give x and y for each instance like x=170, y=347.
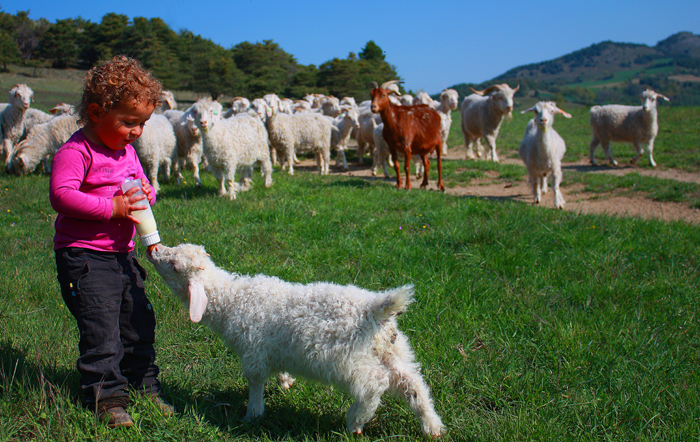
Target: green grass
x=530, y=324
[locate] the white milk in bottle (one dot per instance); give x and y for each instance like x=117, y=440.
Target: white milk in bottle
x=147, y=228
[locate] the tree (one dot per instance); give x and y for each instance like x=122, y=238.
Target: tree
x=28, y=33
x=9, y=52
x=304, y=82
x=372, y=52
x=59, y=44
x=110, y=36
x=267, y=68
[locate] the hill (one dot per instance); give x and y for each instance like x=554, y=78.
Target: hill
x=610, y=71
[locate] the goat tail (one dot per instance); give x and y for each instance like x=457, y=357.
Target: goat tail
x=393, y=302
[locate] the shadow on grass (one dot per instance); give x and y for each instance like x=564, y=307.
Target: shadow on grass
x=225, y=409
x=22, y=378
x=188, y=192
x=17, y=370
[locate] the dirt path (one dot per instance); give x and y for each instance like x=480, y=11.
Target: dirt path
x=576, y=199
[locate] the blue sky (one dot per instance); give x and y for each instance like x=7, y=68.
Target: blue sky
x=433, y=44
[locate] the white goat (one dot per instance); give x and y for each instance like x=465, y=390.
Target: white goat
x=542, y=150
x=62, y=109
x=342, y=127
x=41, y=143
x=365, y=134
x=297, y=133
x=239, y=105
x=189, y=142
x=167, y=101
x=635, y=124
x=407, y=100
x=157, y=146
x=449, y=100
x=340, y=335
x=330, y=106
x=230, y=143
x=423, y=98
x=482, y=114
x=12, y=118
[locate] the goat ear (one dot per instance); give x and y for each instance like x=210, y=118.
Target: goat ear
x=198, y=300
x=567, y=115
x=532, y=109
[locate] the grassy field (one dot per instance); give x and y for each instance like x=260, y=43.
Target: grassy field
x=529, y=324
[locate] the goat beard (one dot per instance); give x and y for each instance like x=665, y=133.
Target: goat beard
x=509, y=115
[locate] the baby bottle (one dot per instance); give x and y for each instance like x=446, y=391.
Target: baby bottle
x=146, y=229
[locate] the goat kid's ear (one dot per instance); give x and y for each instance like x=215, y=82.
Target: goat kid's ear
x=198, y=299
x=567, y=115
x=532, y=109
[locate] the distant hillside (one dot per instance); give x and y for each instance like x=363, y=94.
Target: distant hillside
x=613, y=72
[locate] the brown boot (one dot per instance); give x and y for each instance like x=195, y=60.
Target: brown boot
x=115, y=416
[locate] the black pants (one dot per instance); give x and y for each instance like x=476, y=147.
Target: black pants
x=106, y=295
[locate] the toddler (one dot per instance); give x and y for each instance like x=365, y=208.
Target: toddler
x=100, y=278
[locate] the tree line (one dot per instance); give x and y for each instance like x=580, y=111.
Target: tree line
x=185, y=61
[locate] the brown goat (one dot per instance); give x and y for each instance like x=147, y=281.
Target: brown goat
x=413, y=130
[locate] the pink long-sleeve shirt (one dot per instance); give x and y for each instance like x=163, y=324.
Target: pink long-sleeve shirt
x=84, y=178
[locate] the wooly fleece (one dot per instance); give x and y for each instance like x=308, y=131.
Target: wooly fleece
x=340, y=335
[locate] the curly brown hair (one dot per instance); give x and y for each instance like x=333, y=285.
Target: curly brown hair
x=118, y=80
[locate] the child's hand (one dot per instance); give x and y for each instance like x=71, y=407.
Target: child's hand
x=123, y=205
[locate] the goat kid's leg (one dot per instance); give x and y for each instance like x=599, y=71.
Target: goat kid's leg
x=289, y=159
x=153, y=176
x=256, y=402
x=266, y=166
x=640, y=151
x=608, y=154
x=544, y=183
x=491, y=148
x=650, y=149
x=367, y=392
x=469, y=143
x=195, y=168
x=341, y=160
x=594, y=143
x=556, y=181
x=536, y=188
x=406, y=382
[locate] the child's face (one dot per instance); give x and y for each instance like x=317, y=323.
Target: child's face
x=120, y=126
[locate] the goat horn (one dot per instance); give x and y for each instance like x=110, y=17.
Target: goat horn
x=374, y=85
x=390, y=82
x=516, y=89
x=488, y=90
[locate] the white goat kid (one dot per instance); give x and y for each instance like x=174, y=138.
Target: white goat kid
x=12, y=118
x=481, y=116
x=635, y=124
x=231, y=143
x=542, y=150
x=449, y=100
x=340, y=335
